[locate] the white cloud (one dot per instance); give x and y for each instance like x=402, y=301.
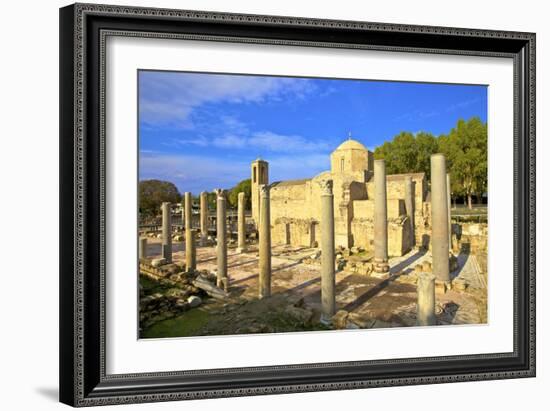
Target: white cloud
x=229, y=141
x=170, y=97
x=193, y=173
x=278, y=142
x=263, y=142
x=292, y=167
x=462, y=104
x=198, y=173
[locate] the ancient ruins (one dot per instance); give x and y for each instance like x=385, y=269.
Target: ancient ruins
x=349, y=248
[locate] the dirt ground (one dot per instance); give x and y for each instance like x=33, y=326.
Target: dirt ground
x=370, y=302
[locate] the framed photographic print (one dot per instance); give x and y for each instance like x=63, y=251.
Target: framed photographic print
x=262, y=204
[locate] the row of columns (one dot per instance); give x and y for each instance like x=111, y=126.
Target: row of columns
x=190, y=234
x=440, y=240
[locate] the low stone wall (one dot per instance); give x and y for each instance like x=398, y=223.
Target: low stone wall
x=474, y=235
x=365, y=208
x=306, y=233
x=398, y=235
x=295, y=232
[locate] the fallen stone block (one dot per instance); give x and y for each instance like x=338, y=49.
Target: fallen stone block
x=339, y=319
x=157, y=262
x=459, y=284
x=301, y=315
x=355, y=320
x=211, y=289
x=194, y=301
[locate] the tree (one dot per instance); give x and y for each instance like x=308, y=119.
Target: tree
x=465, y=148
x=152, y=193
x=211, y=200
x=408, y=153
x=244, y=186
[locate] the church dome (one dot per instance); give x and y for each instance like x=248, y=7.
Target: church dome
x=351, y=145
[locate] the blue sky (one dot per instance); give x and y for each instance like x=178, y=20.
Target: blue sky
x=201, y=131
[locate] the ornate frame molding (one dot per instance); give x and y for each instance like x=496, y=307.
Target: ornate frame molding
x=82, y=296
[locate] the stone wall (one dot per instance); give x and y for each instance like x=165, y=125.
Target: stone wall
x=364, y=209
x=398, y=235
x=295, y=232
x=395, y=186
x=296, y=204
x=474, y=234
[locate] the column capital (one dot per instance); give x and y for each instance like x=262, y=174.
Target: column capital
x=326, y=187
x=264, y=190
x=220, y=193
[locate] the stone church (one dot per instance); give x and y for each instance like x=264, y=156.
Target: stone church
x=296, y=204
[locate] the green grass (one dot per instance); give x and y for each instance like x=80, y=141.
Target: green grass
x=189, y=323
x=462, y=211
x=363, y=254
x=151, y=286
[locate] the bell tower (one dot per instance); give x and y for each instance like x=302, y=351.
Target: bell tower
x=259, y=176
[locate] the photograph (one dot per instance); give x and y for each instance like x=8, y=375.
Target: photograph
x=279, y=204
x=259, y=202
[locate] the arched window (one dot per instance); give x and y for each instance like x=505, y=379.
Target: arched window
x=254, y=174
x=342, y=165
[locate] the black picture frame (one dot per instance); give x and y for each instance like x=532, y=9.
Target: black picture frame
x=83, y=29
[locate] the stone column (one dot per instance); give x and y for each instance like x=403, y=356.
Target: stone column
x=204, y=217
x=440, y=219
x=190, y=250
x=381, y=265
x=312, y=234
x=343, y=218
x=425, y=306
x=143, y=247
x=166, y=232
x=449, y=209
x=328, y=282
x=287, y=234
x=409, y=206
x=189, y=235
x=241, y=224
x=265, y=243
x=221, y=247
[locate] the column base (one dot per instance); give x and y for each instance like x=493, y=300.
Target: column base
x=241, y=250
x=381, y=269
x=326, y=320
x=442, y=286
x=431, y=320
x=223, y=283
x=167, y=253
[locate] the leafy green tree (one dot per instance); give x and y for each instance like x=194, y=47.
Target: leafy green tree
x=465, y=148
x=427, y=145
x=408, y=153
x=244, y=186
x=211, y=200
x=152, y=193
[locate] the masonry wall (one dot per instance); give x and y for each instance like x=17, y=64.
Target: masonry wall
x=296, y=207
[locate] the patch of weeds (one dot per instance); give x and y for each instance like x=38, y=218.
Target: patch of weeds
x=187, y=324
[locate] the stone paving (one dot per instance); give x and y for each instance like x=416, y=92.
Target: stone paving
x=370, y=302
